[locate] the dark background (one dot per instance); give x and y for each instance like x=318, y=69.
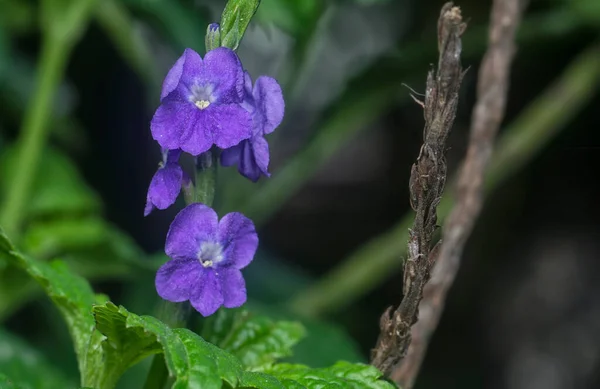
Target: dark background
x=524, y=311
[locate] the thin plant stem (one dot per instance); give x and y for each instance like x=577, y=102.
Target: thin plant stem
x=34, y=132
x=177, y=315
x=525, y=137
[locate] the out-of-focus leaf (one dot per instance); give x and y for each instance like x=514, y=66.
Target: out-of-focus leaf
x=71, y=294
x=17, y=16
x=58, y=186
x=5, y=383
x=185, y=26
x=18, y=360
x=65, y=20
x=234, y=21
x=293, y=16
x=256, y=340
x=114, y=17
x=588, y=10
x=190, y=360
x=48, y=238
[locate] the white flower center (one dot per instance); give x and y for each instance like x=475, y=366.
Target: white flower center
x=202, y=95
x=202, y=104
x=210, y=254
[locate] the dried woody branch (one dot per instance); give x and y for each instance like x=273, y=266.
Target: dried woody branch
x=486, y=118
x=427, y=180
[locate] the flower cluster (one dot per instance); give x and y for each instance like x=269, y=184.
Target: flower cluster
x=210, y=105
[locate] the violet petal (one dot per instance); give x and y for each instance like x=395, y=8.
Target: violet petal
x=231, y=156
x=237, y=235
x=164, y=187
x=177, y=278
x=233, y=287
x=193, y=224
x=229, y=125
x=269, y=102
x=172, y=78
x=206, y=297
x=223, y=69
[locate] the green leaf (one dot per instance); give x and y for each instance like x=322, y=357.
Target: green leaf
x=184, y=25
x=324, y=344
x=58, y=188
x=71, y=294
x=129, y=338
x=51, y=237
x=262, y=381
x=65, y=19
x=256, y=340
x=5, y=383
x=234, y=21
x=18, y=360
x=340, y=375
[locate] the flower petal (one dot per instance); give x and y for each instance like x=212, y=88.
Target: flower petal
x=193, y=68
x=206, y=297
x=248, y=85
x=237, y=235
x=172, y=120
x=260, y=153
x=198, y=137
x=173, y=156
x=176, y=279
x=192, y=225
x=247, y=164
x=172, y=78
x=269, y=102
x=233, y=287
x=164, y=187
x=229, y=125
x=223, y=70
x=231, y=156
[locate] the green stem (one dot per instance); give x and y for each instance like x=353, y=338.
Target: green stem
x=34, y=132
x=537, y=125
x=206, y=177
x=177, y=314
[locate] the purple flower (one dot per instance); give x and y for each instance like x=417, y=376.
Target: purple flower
x=166, y=183
x=207, y=255
x=201, y=103
x=265, y=102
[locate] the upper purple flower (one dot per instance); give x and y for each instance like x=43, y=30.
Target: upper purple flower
x=166, y=183
x=201, y=103
x=265, y=102
x=207, y=255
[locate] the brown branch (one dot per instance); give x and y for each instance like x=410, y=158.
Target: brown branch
x=487, y=115
x=427, y=180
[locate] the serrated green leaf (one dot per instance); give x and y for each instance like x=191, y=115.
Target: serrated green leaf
x=193, y=362
x=234, y=21
x=58, y=187
x=256, y=340
x=324, y=344
x=341, y=375
x=262, y=381
x=71, y=294
x=18, y=360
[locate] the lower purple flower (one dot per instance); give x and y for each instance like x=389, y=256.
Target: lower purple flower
x=206, y=258
x=166, y=183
